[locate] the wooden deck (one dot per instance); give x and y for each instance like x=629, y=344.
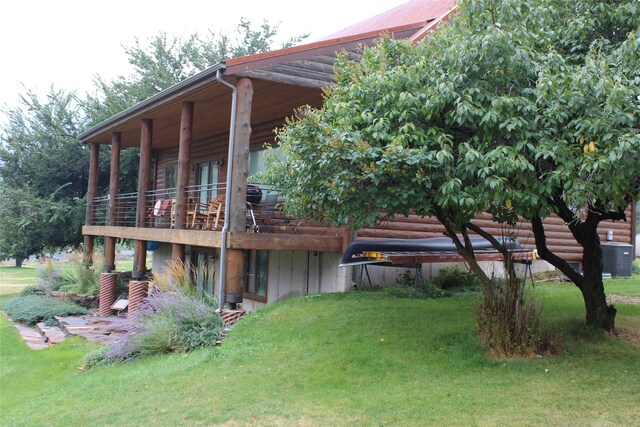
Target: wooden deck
x=212, y=239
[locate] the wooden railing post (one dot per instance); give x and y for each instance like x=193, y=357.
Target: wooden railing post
x=234, y=280
x=92, y=190
x=140, y=249
x=110, y=242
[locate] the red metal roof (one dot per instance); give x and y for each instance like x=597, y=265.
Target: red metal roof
x=412, y=11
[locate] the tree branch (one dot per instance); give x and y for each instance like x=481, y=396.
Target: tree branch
x=547, y=255
x=499, y=246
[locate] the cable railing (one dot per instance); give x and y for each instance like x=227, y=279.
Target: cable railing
x=265, y=211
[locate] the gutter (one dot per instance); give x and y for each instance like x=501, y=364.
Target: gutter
x=227, y=197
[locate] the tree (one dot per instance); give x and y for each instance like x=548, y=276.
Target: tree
x=30, y=224
x=43, y=176
x=517, y=108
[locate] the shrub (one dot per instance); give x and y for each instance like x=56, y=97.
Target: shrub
x=31, y=309
x=30, y=290
x=508, y=319
x=97, y=357
x=451, y=277
x=636, y=266
x=170, y=321
x=48, y=277
x=81, y=280
x=406, y=288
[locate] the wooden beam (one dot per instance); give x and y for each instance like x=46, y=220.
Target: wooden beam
x=234, y=280
x=92, y=190
x=140, y=247
x=110, y=242
x=144, y=169
x=177, y=251
x=109, y=255
x=285, y=242
x=238, y=186
x=209, y=239
x=303, y=72
x=312, y=64
x=283, y=78
x=347, y=238
x=116, y=142
x=184, y=158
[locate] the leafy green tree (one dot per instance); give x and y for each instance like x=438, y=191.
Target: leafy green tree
x=30, y=224
x=516, y=108
x=43, y=176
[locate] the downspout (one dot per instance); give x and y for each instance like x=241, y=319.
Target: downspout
x=227, y=197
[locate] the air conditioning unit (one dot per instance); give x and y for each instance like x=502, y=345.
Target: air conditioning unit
x=617, y=259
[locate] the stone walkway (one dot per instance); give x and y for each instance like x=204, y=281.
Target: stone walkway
x=32, y=337
x=100, y=329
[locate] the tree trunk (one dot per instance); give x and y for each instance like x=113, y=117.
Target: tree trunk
x=19, y=262
x=598, y=313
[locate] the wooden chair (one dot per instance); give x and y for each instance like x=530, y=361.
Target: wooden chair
x=215, y=212
x=195, y=215
x=172, y=216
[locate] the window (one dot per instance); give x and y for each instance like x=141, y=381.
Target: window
x=207, y=178
x=256, y=162
x=256, y=267
x=171, y=176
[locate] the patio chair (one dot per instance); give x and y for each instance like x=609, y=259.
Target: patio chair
x=196, y=214
x=215, y=212
x=172, y=216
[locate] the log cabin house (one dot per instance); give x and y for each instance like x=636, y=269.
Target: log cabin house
x=202, y=140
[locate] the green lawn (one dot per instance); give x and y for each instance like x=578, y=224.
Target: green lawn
x=342, y=359
x=13, y=279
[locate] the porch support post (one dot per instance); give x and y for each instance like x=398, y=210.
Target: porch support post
x=110, y=242
x=140, y=249
x=184, y=154
x=234, y=283
x=92, y=190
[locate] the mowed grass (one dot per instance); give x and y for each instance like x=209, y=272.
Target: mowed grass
x=13, y=279
x=342, y=359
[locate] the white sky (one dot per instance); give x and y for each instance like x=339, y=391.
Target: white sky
x=65, y=43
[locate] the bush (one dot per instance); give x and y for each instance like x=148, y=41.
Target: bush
x=79, y=279
x=48, y=277
x=508, y=320
x=97, y=357
x=30, y=290
x=31, y=309
x=406, y=288
x=168, y=322
x=636, y=266
x=451, y=277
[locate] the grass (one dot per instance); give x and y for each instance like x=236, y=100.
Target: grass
x=342, y=359
x=14, y=279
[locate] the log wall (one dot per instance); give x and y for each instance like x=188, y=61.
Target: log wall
x=559, y=238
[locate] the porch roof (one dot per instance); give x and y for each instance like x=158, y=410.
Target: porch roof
x=282, y=80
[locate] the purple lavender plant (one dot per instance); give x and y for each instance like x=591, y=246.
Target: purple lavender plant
x=168, y=322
